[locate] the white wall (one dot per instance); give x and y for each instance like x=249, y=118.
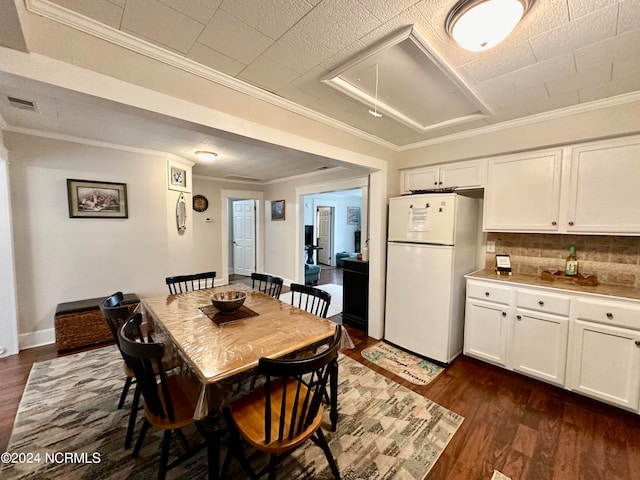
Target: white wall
x=61, y=259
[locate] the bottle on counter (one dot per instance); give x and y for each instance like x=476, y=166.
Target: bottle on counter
x=571, y=264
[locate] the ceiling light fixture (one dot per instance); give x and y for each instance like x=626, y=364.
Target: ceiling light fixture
x=478, y=25
x=206, y=156
x=374, y=112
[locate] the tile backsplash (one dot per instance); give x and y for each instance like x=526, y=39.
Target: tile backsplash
x=615, y=260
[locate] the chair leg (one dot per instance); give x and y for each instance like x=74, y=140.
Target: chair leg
x=322, y=443
x=132, y=417
x=183, y=441
x=125, y=390
x=164, y=454
x=272, y=467
x=143, y=432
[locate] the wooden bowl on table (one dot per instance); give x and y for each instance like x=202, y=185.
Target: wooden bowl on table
x=229, y=301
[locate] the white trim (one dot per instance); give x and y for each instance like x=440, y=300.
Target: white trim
x=531, y=119
x=37, y=339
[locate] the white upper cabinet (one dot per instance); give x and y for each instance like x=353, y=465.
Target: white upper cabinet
x=604, y=187
x=523, y=192
x=468, y=174
x=590, y=188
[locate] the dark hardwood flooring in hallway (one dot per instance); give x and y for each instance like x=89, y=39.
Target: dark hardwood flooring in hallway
x=521, y=427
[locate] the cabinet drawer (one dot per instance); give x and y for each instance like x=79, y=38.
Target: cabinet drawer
x=489, y=292
x=608, y=313
x=543, y=302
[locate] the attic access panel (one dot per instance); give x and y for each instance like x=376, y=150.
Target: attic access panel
x=415, y=86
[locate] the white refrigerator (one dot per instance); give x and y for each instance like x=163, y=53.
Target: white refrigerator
x=431, y=246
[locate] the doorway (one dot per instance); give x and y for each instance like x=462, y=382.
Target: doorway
x=243, y=232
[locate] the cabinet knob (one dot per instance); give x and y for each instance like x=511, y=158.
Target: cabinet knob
x=571, y=224
x=541, y=303
x=554, y=223
x=609, y=315
x=519, y=317
x=504, y=314
x=638, y=343
x=486, y=294
x=439, y=183
x=435, y=183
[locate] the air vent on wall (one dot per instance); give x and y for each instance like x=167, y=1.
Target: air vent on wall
x=22, y=104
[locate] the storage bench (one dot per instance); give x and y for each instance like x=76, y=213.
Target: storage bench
x=80, y=323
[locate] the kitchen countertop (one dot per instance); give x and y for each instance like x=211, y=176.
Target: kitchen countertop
x=517, y=278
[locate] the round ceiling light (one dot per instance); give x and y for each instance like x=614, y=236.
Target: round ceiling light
x=478, y=25
x=206, y=156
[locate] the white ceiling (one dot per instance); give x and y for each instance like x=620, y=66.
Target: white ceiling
x=564, y=53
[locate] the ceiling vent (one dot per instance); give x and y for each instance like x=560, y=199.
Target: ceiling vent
x=240, y=178
x=22, y=104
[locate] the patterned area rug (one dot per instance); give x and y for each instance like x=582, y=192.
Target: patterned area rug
x=414, y=369
x=499, y=476
x=68, y=427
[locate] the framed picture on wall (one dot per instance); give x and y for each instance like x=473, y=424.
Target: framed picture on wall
x=277, y=210
x=353, y=215
x=93, y=199
x=178, y=176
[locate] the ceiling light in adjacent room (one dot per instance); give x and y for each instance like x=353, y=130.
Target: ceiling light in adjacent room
x=481, y=24
x=206, y=156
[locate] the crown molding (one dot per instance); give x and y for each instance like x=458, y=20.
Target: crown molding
x=96, y=143
x=87, y=25
x=530, y=120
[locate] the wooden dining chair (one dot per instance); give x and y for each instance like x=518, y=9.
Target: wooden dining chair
x=312, y=299
x=267, y=284
x=169, y=399
x=116, y=314
x=285, y=412
x=188, y=283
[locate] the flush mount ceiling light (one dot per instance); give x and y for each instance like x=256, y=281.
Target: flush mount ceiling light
x=481, y=24
x=206, y=156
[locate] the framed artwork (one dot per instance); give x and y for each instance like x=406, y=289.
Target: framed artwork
x=353, y=215
x=93, y=199
x=178, y=176
x=503, y=264
x=277, y=210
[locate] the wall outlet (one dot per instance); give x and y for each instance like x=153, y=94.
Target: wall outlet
x=491, y=247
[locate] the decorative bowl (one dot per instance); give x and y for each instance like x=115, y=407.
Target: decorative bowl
x=228, y=301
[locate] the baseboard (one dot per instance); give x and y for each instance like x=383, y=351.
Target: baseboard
x=37, y=339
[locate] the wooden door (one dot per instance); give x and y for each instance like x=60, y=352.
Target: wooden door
x=244, y=233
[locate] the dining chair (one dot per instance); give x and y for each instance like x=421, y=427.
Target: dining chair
x=285, y=412
x=116, y=314
x=187, y=283
x=169, y=399
x=312, y=299
x=267, y=284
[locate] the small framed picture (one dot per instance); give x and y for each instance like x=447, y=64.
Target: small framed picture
x=503, y=264
x=178, y=176
x=277, y=210
x=353, y=215
x=94, y=199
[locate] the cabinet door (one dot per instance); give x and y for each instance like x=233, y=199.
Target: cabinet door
x=485, y=331
x=604, y=191
x=419, y=179
x=523, y=192
x=461, y=175
x=539, y=346
x=604, y=363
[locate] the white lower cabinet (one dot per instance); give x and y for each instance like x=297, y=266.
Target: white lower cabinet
x=485, y=331
x=586, y=343
x=539, y=347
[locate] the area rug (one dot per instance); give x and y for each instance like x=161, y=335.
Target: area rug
x=335, y=307
x=385, y=431
x=499, y=476
x=414, y=369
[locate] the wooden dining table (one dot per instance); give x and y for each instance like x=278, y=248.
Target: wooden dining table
x=221, y=355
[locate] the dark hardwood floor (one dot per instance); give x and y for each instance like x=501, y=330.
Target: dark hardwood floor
x=524, y=428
